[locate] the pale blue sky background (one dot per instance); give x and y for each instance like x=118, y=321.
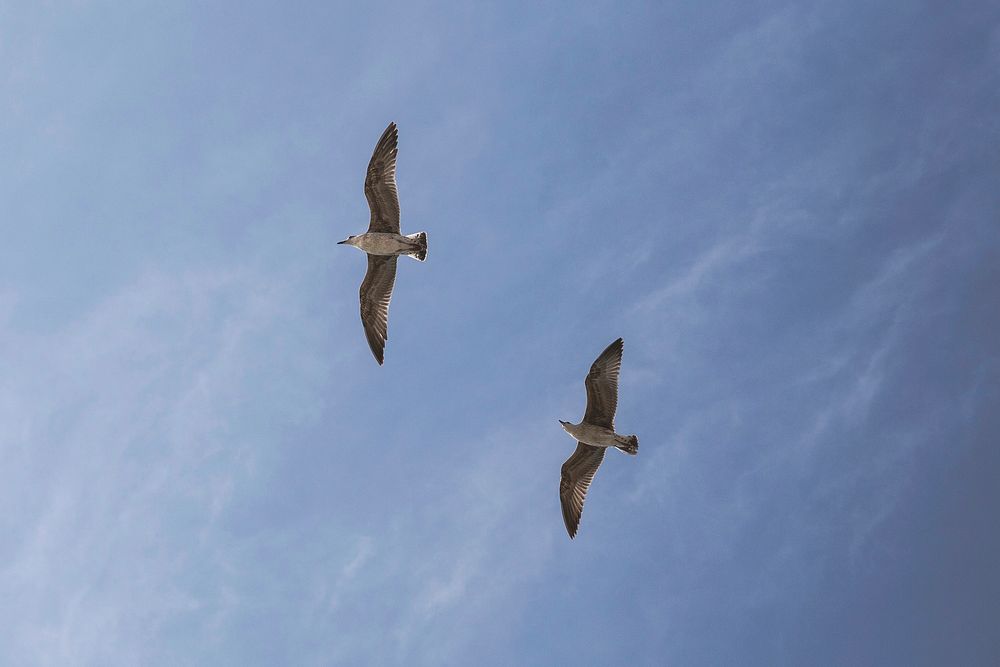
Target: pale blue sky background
x=789, y=211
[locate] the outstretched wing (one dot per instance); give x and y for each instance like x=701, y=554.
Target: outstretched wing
x=380, y=184
x=577, y=474
x=376, y=291
x=602, y=386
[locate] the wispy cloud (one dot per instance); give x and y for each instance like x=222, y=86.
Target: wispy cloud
x=123, y=416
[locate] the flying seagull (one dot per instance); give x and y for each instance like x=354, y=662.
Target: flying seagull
x=595, y=434
x=383, y=242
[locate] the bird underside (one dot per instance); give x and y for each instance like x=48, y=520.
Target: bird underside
x=379, y=243
x=596, y=436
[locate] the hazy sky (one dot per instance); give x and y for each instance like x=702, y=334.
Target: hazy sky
x=789, y=211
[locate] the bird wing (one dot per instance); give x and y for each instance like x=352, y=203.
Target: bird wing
x=577, y=474
x=376, y=291
x=602, y=386
x=380, y=184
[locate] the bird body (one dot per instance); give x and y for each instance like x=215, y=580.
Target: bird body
x=382, y=242
x=388, y=243
x=594, y=434
x=599, y=436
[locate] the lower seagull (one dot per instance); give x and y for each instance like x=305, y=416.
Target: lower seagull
x=594, y=435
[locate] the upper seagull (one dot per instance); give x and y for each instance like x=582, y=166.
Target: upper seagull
x=383, y=242
x=595, y=434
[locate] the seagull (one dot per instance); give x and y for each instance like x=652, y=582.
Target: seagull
x=383, y=242
x=594, y=434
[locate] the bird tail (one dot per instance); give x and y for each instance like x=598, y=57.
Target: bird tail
x=421, y=239
x=628, y=444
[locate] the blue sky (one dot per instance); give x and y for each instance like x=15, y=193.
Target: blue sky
x=789, y=211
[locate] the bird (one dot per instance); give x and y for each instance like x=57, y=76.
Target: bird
x=382, y=242
x=594, y=434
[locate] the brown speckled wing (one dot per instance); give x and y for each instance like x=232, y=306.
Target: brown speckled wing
x=376, y=292
x=577, y=474
x=380, y=184
x=602, y=386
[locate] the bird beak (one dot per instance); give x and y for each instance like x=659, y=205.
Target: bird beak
x=344, y=241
